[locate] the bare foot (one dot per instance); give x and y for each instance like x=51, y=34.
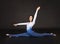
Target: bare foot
x=53, y=34
x=7, y=34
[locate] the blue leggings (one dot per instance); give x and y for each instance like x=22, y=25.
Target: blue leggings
x=30, y=33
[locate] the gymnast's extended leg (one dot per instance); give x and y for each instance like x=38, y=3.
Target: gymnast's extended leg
x=17, y=35
x=32, y=33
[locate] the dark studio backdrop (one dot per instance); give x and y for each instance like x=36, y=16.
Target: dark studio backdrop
x=17, y=11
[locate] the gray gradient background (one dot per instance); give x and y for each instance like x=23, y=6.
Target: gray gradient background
x=14, y=11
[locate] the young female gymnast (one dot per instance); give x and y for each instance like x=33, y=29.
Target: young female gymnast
x=29, y=30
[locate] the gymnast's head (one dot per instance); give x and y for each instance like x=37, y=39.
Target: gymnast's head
x=30, y=18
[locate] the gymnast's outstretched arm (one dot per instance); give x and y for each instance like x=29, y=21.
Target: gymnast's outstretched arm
x=20, y=24
x=36, y=14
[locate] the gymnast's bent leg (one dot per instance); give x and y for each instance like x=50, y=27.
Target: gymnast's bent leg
x=17, y=35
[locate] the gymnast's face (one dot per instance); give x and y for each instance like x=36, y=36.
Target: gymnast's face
x=30, y=18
